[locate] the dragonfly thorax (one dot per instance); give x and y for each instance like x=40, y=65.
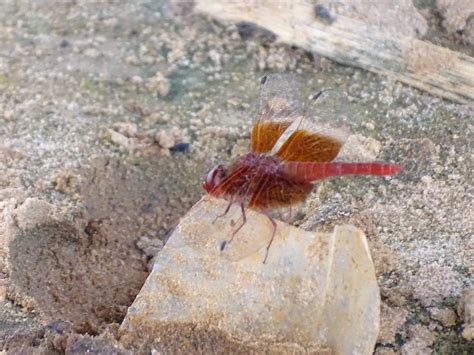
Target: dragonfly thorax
x=262, y=163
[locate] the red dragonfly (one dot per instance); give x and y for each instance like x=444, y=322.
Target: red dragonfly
x=288, y=154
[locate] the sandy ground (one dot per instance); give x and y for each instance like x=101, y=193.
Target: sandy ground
x=92, y=97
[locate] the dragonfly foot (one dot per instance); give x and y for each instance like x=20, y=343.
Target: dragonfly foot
x=223, y=245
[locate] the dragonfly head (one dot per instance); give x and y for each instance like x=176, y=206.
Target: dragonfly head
x=214, y=177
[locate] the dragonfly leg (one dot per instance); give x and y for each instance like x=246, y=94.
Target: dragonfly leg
x=225, y=212
x=273, y=236
x=244, y=217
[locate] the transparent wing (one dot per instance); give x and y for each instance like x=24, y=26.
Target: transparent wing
x=278, y=107
x=320, y=131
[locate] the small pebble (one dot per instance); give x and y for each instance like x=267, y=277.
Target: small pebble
x=111, y=22
x=3, y=293
x=215, y=57
x=126, y=128
x=159, y=84
x=137, y=80
x=91, y=53
x=370, y=126
x=150, y=247
x=165, y=139
x=119, y=139
x=131, y=59
x=447, y=317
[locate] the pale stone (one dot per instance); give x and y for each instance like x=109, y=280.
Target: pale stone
x=467, y=301
x=399, y=17
x=165, y=139
x=215, y=57
x=360, y=148
x=34, y=212
x=160, y=84
x=315, y=288
x=150, y=247
x=420, y=340
x=126, y=128
x=384, y=351
x=111, y=22
x=137, y=80
x=91, y=53
x=118, y=138
x=446, y=316
x=455, y=13
x=393, y=319
x=129, y=144
x=3, y=290
x=16, y=193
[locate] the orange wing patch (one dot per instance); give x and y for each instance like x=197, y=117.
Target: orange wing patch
x=279, y=191
x=303, y=145
x=266, y=133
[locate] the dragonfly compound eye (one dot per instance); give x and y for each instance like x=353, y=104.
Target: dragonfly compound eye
x=214, y=177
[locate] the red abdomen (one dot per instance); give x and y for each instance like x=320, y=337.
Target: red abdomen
x=311, y=171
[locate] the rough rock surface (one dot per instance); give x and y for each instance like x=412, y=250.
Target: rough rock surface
x=398, y=17
x=458, y=17
x=315, y=288
x=468, y=312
